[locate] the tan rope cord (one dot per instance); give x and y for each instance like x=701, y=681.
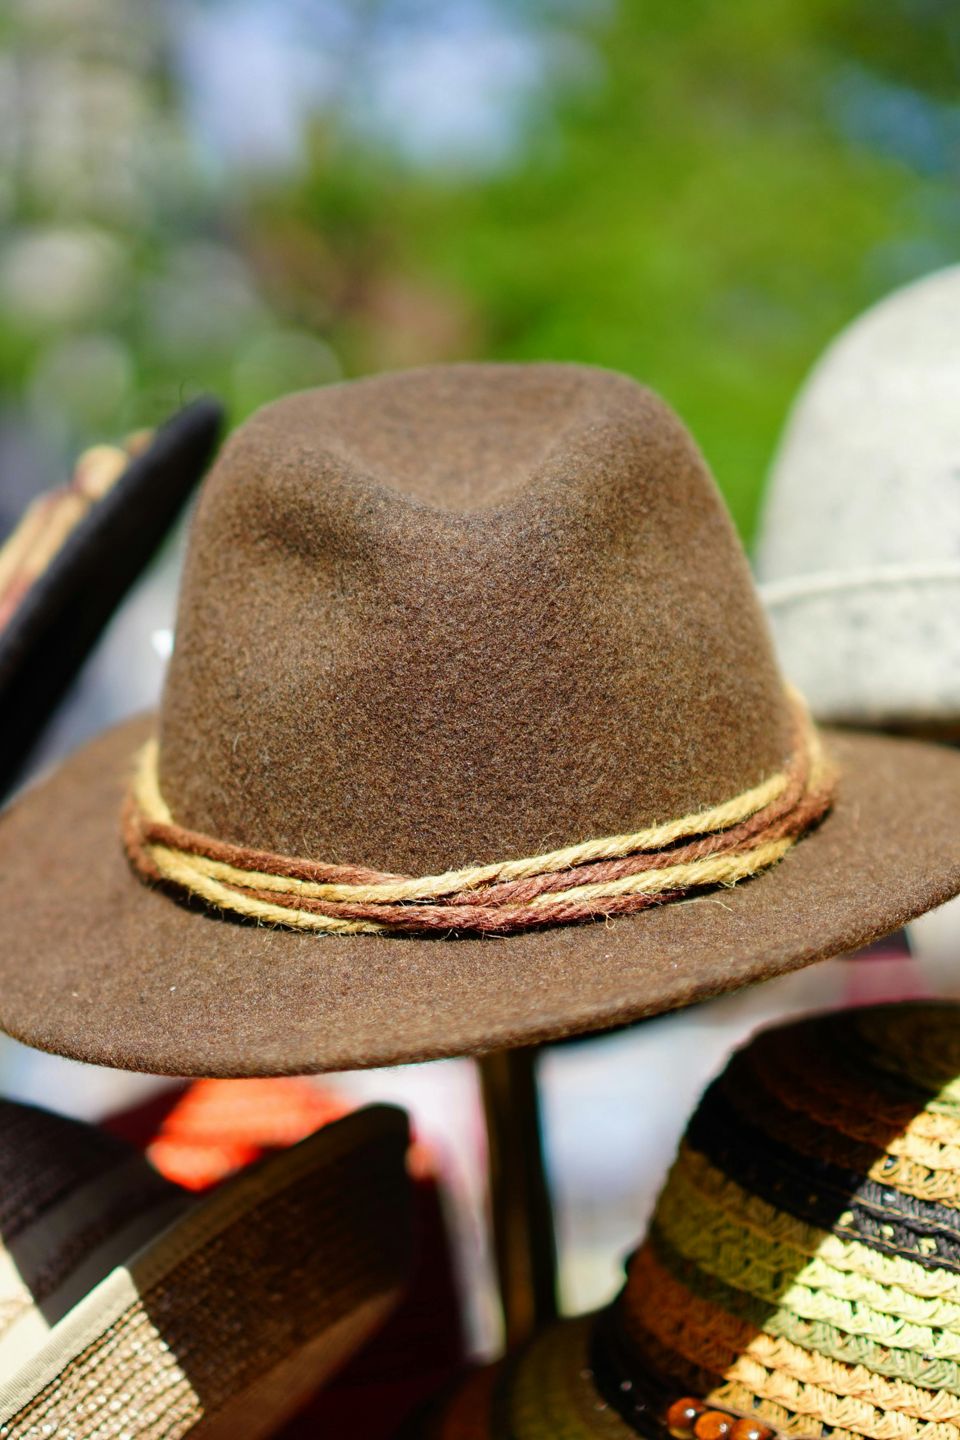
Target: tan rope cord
x=616, y=875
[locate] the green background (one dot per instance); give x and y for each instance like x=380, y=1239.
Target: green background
x=698, y=193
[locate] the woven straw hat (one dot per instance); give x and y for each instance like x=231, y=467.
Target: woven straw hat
x=859, y=550
x=196, y=1134
x=801, y=1273
x=69, y=562
x=471, y=724
x=130, y=1308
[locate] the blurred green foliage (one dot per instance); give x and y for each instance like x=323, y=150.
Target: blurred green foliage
x=698, y=219
x=702, y=200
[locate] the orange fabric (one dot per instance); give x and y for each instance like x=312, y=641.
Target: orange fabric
x=219, y=1126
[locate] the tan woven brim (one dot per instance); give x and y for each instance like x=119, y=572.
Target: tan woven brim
x=227, y=1322
x=122, y=974
x=551, y=1390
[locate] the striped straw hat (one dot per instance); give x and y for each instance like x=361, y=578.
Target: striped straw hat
x=197, y=1134
x=801, y=1274
x=129, y=1308
x=70, y=559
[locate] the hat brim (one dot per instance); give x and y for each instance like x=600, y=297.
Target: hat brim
x=57, y=623
x=546, y=1390
x=892, y=653
x=97, y=965
x=553, y=1386
x=239, y=1309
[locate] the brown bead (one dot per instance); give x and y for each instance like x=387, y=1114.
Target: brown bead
x=683, y=1416
x=751, y=1430
x=713, y=1425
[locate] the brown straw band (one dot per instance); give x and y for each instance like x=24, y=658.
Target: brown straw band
x=650, y=1403
x=52, y=518
x=617, y=875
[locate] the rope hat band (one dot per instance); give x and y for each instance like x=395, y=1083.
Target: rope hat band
x=618, y=875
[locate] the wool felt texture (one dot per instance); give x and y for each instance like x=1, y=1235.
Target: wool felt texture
x=57, y=622
x=433, y=620
x=801, y=1270
x=859, y=543
x=131, y=1307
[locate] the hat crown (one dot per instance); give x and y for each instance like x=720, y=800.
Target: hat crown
x=868, y=471
x=458, y=614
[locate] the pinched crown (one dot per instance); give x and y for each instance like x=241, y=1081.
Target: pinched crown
x=452, y=616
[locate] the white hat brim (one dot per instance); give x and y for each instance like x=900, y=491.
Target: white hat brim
x=877, y=646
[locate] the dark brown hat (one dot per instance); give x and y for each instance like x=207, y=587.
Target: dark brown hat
x=77, y=551
x=470, y=670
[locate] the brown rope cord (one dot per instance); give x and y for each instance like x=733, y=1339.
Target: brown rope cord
x=492, y=911
x=597, y=879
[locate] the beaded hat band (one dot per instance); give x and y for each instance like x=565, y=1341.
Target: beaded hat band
x=566, y=1383
x=649, y=1404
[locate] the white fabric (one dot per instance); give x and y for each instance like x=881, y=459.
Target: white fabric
x=859, y=546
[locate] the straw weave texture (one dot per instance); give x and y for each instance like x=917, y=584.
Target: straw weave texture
x=803, y=1264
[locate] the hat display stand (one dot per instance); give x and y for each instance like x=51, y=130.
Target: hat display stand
x=520, y=1207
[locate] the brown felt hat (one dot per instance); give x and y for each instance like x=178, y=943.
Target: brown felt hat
x=430, y=622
